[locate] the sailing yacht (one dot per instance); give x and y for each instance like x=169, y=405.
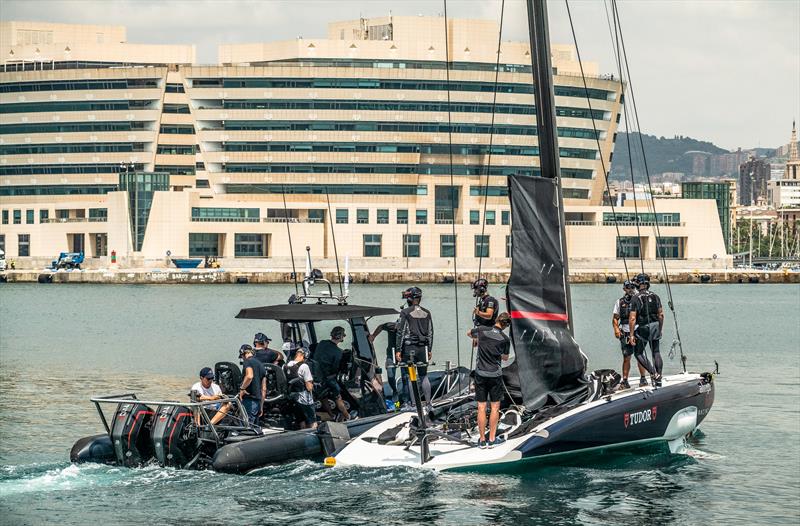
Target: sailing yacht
x=558, y=407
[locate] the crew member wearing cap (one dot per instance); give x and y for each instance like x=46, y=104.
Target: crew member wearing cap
x=263, y=353
x=207, y=389
x=254, y=384
x=302, y=386
x=622, y=332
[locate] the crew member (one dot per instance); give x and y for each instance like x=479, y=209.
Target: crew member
x=485, y=311
x=391, y=367
x=493, y=347
x=646, y=321
x=302, y=391
x=622, y=310
x=207, y=389
x=327, y=357
x=262, y=352
x=254, y=384
x=414, y=340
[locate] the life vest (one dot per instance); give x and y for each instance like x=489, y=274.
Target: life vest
x=649, y=302
x=292, y=375
x=625, y=309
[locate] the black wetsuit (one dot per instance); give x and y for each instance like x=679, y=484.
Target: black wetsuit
x=646, y=305
x=415, y=340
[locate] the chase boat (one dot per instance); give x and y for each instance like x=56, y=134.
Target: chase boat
x=181, y=435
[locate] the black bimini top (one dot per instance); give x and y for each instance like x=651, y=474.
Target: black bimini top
x=312, y=312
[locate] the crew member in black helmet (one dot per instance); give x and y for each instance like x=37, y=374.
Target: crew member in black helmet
x=485, y=311
x=645, y=323
x=414, y=341
x=622, y=310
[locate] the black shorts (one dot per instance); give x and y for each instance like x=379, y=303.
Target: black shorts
x=488, y=385
x=627, y=348
x=306, y=413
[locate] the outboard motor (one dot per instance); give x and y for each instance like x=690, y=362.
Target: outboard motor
x=174, y=436
x=229, y=377
x=130, y=434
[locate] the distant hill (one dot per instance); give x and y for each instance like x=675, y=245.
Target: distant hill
x=663, y=154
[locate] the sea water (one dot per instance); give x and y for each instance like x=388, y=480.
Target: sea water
x=61, y=344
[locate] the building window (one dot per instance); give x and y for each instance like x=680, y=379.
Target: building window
x=481, y=246
x=575, y=193
x=5, y=217
x=669, y=247
x=422, y=217
x=474, y=217
x=98, y=214
x=44, y=215
x=362, y=216
x=628, y=247
x=316, y=215
x=29, y=217
x=17, y=217
x=342, y=216
x=508, y=246
x=24, y=245
x=249, y=246
x=411, y=245
x=201, y=245
x=372, y=245
x=402, y=217
x=447, y=246
x=490, y=217
x=505, y=217
x=383, y=216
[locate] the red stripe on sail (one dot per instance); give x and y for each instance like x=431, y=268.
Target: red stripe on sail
x=544, y=316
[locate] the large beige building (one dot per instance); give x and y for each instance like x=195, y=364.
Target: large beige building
x=380, y=136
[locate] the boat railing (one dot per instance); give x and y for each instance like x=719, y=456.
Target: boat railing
x=198, y=409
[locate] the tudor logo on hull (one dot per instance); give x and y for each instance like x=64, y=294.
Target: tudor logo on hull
x=646, y=415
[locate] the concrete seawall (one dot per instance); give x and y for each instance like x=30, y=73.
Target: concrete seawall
x=222, y=276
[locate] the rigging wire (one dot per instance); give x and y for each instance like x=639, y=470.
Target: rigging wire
x=452, y=186
x=630, y=152
x=333, y=235
x=597, y=137
x=491, y=138
x=289, y=233
x=651, y=202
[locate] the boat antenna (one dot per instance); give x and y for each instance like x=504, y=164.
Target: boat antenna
x=597, y=140
x=333, y=235
x=546, y=127
x=491, y=140
x=452, y=187
x=289, y=233
x=651, y=201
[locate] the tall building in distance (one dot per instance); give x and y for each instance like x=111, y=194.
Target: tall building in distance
x=753, y=178
x=785, y=192
x=132, y=148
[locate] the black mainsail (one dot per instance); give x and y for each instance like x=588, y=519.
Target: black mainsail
x=549, y=361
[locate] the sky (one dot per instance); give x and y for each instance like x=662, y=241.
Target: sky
x=727, y=71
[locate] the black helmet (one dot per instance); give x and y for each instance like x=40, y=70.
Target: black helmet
x=479, y=287
x=643, y=279
x=246, y=348
x=628, y=285
x=412, y=293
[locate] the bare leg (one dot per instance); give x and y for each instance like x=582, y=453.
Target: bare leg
x=626, y=367
x=220, y=414
x=642, y=370
x=342, y=409
x=482, y=420
x=494, y=418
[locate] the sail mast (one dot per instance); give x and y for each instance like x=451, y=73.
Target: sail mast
x=546, y=122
